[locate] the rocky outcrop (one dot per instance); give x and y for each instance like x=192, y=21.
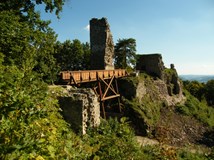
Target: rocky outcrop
x=102, y=45
x=144, y=99
x=140, y=87
x=153, y=65
x=164, y=95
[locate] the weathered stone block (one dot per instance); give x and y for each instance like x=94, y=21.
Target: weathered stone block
x=81, y=108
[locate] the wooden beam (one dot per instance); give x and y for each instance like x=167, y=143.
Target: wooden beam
x=109, y=87
x=112, y=89
x=110, y=97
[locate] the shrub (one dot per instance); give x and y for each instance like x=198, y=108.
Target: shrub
x=113, y=140
x=31, y=126
x=162, y=152
x=145, y=113
x=159, y=152
x=199, y=110
x=209, y=92
x=187, y=155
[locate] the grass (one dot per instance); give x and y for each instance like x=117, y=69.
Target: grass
x=199, y=110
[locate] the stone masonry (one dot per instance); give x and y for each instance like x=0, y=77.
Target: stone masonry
x=102, y=45
x=80, y=108
x=152, y=64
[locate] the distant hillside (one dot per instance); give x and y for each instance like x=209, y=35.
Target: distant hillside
x=200, y=78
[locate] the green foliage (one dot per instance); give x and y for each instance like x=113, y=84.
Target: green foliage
x=29, y=47
x=145, y=111
x=113, y=140
x=171, y=79
x=199, y=110
x=209, y=92
x=72, y=55
x=212, y=154
x=204, y=92
x=31, y=125
x=187, y=155
x=195, y=88
x=133, y=81
x=15, y=41
x=125, y=53
x=169, y=73
x=26, y=40
x=163, y=152
x=27, y=6
x=1, y=58
x=159, y=152
x=86, y=58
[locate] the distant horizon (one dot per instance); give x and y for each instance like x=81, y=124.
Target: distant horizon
x=199, y=78
x=196, y=74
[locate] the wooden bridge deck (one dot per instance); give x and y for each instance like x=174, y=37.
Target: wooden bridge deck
x=76, y=77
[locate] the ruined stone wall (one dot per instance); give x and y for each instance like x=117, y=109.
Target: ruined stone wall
x=152, y=64
x=80, y=108
x=142, y=88
x=172, y=80
x=102, y=45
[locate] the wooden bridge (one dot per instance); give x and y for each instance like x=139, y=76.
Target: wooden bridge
x=77, y=77
x=106, y=88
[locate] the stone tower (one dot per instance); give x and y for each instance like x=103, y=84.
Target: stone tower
x=102, y=45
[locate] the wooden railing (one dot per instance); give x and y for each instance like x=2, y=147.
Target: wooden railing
x=76, y=77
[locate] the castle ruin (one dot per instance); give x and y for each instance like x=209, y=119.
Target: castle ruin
x=151, y=64
x=102, y=45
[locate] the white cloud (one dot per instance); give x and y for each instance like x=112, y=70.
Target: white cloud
x=87, y=28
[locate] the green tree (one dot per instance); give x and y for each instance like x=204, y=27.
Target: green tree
x=31, y=126
x=28, y=6
x=27, y=47
x=25, y=39
x=76, y=55
x=196, y=109
x=72, y=55
x=195, y=88
x=209, y=92
x=86, y=56
x=125, y=53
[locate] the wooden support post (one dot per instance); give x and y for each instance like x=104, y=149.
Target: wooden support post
x=116, y=85
x=107, y=89
x=101, y=95
x=71, y=78
x=103, y=108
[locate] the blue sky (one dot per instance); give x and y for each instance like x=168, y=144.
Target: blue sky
x=181, y=30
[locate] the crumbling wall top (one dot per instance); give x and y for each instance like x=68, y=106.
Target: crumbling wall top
x=151, y=64
x=99, y=22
